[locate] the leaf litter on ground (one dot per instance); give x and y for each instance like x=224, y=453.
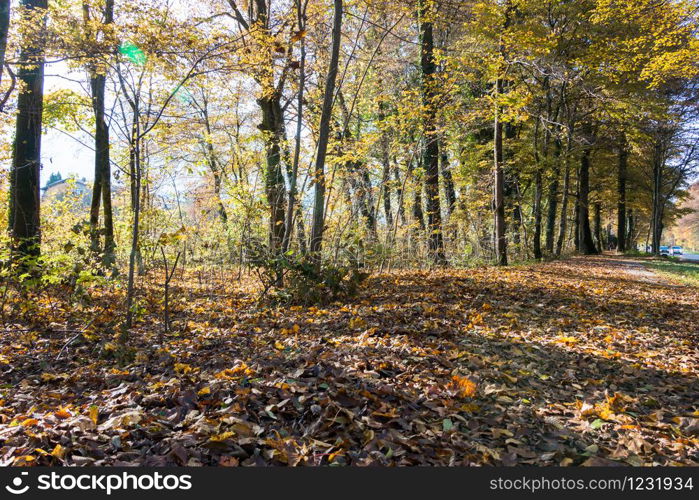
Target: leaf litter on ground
x=575, y=362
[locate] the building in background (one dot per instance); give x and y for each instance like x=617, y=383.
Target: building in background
x=56, y=189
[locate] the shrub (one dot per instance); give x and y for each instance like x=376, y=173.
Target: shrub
x=290, y=278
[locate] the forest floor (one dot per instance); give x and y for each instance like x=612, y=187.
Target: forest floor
x=586, y=361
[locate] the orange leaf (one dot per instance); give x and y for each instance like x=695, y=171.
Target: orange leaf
x=465, y=386
x=62, y=413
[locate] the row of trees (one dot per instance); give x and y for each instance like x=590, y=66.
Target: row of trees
x=421, y=130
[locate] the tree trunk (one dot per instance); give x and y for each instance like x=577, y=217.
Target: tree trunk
x=134, y=254
x=656, y=212
x=25, y=202
x=101, y=191
x=449, y=189
x=499, y=185
x=564, y=208
x=386, y=192
x=598, y=226
x=289, y=222
x=97, y=183
x=214, y=166
x=538, y=188
x=551, y=213
x=272, y=127
x=399, y=194
x=621, y=204
x=499, y=177
x=553, y=200
x=361, y=186
x=448, y=180
x=369, y=210
x=4, y=29
x=576, y=217
x=511, y=196
x=217, y=190
x=318, y=223
x=135, y=175
x=385, y=170
x=587, y=245
x=301, y=231
x=631, y=233
x=435, y=239
x=418, y=215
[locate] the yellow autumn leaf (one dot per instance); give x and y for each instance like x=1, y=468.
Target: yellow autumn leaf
x=357, y=322
x=221, y=437
x=58, y=451
x=237, y=371
x=94, y=414
x=183, y=368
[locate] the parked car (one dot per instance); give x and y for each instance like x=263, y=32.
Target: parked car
x=676, y=250
x=664, y=250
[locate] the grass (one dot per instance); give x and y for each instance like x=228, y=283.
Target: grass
x=685, y=272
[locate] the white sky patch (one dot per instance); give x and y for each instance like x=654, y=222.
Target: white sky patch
x=59, y=152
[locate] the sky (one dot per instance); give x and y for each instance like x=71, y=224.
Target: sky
x=60, y=153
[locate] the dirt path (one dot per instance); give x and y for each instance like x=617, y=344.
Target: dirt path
x=638, y=270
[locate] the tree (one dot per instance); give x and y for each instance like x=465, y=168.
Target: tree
x=256, y=21
x=301, y=7
x=318, y=224
x=146, y=104
x=499, y=178
x=621, y=190
x=4, y=29
x=430, y=157
x=96, y=31
x=26, y=158
x=587, y=244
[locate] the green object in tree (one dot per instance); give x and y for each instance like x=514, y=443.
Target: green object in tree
x=133, y=53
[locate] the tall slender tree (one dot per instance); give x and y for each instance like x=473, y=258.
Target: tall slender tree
x=498, y=154
x=102, y=186
x=26, y=155
x=318, y=222
x=4, y=29
x=621, y=192
x=435, y=238
x=587, y=244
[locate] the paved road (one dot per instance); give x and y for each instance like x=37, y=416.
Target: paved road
x=691, y=257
